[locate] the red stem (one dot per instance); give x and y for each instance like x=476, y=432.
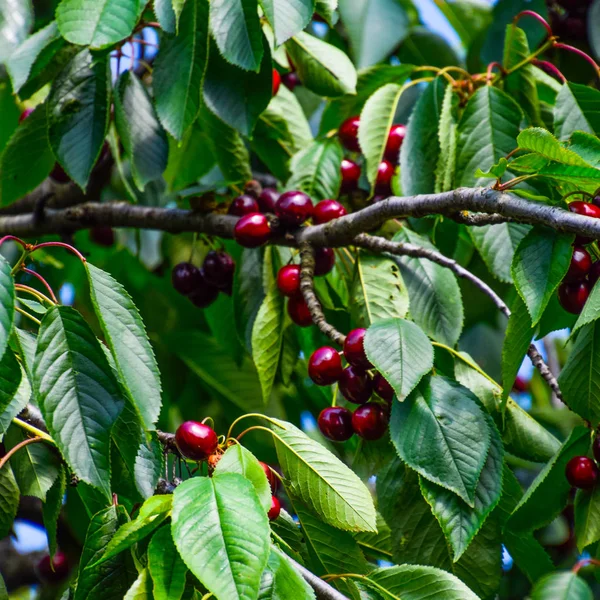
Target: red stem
x=44, y=282
x=538, y=18
x=584, y=562
x=60, y=245
x=12, y=238
x=490, y=70
x=553, y=70
x=580, y=53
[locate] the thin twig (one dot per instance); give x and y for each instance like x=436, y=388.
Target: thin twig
x=16, y=448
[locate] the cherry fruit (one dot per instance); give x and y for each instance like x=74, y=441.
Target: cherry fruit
x=218, y=268
x=572, y=296
x=271, y=477
x=276, y=81
x=293, y=208
x=204, y=293
x=383, y=181
x=275, y=508
x=298, y=311
x=586, y=209
x=581, y=263
x=370, y=421
x=594, y=274
x=350, y=176
x=354, y=349
x=196, y=441
x=382, y=388
x=348, y=133
x=103, y=236
x=325, y=366
x=582, y=472
x=59, y=175
x=394, y=142
x=252, y=230
x=327, y=210
x=53, y=570
x=290, y=80
x=267, y=200
x=335, y=423
x=243, y=205
x=186, y=278
x=355, y=385
x=288, y=280
x=324, y=260
x=520, y=385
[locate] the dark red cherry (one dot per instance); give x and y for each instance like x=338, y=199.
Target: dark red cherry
x=276, y=82
x=383, y=182
x=335, y=423
x=252, y=231
x=290, y=80
x=243, y=205
x=196, y=441
x=293, y=208
x=288, y=280
x=355, y=385
x=594, y=274
x=218, y=268
x=348, y=133
x=275, y=508
x=55, y=570
x=596, y=200
x=520, y=385
x=354, y=349
x=298, y=311
x=204, y=293
x=25, y=114
x=586, y=209
x=186, y=278
x=324, y=260
x=370, y=421
x=581, y=263
x=58, y=174
x=394, y=142
x=350, y=176
x=325, y=365
x=271, y=477
x=327, y=210
x=382, y=388
x=572, y=296
x=103, y=236
x=582, y=472
x=267, y=200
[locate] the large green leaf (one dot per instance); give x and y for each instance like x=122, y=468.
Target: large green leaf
x=435, y=297
x=77, y=393
x=378, y=290
x=322, y=68
x=148, y=465
x=575, y=110
x=487, y=131
x=280, y=581
x=9, y=500
x=376, y=545
x=448, y=138
x=287, y=17
x=587, y=517
x=78, y=114
x=440, y=431
x=52, y=507
x=125, y=333
x=424, y=47
x=7, y=303
x=316, y=169
x=541, y=141
x=391, y=346
x=179, y=68
x=322, y=481
x=166, y=567
x=222, y=533
x=590, y=312
x=580, y=379
x=141, y=589
x=15, y=390
x=561, y=586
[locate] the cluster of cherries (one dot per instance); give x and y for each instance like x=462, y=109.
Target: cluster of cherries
x=199, y=442
x=370, y=419
x=577, y=284
x=290, y=80
x=581, y=471
x=568, y=18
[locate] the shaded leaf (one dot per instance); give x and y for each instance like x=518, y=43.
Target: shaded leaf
x=9, y=500
x=575, y=110
x=51, y=508
x=561, y=586
x=287, y=17
x=7, y=304
x=166, y=567
x=587, y=517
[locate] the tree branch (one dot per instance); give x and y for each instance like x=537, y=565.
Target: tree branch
x=322, y=589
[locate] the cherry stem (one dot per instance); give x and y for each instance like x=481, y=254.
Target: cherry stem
x=43, y=281
x=511, y=183
x=32, y=291
x=60, y=245
x=537, y=17
x=580, y=53
x=16, y=448
x=26, y=314
x=548, y=66
x=31, y=429
x=578, y=193
x=12, y=238
x=257, y=415
x=584, y=562
x=490, y=70
x=253, y=428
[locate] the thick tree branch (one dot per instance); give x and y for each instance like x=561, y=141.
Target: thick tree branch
x=322, y=589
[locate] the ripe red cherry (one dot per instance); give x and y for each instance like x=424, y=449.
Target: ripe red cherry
x=572, y=296
x=335, y=423
x=218, y=268
x=327, y=210
x=354, y=349
x=394, y=142
x=290, y=80
x=293, y=208
x=520, y=385
x=582, y=472
x=103, y=236
x=58, y=174
x=325, y=366
x=348, y=133
x=298, y=311
x=196, y=441
x=276, y=81
x=370, y=421
x=275, y=508
x=581, y=263
x=350, y=176
x=356, y=385
x=288, y=280
x=267, y=200
x=186, y=278
x=382, y=388
x=55, y=570
x=252, y=231
x=587, y=210
x=204, y=293
x=383, y=182
x=25, y=114
x=324, y=260
x=271, y=477
x=243, y=205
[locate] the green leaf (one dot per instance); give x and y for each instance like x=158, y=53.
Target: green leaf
x=590, y=312
x=51, y=508
x=322, y=481
x=587, y=146
x=376, y=119
x=435, y=297
x=575, y=110
x=448, y=139
x=179, y=68
x=287, y=17
x=77, y=393
x=238, y=459
x=376, y=545
x=440, y=431
x=235, y=26
x=561, y=586
x=316, y=169
x=391, y=346
x=27, y=158
x=9, y=500
x=426, y=48
x=495, y=172
x=459, y=522
x=165, y=15
x=322, y=68
x=540, y=263
x=587, y=517
x=148, y=466
x=15, y=390
x=375, y=28
x=237, y=97
x=151, y=514
x=378, y=290
x=549, y=492
x=141, y=588
x=16, y=20
x=280, y=581
x=497, y=245
x=7, y=303
x=541, y=141
x=166, y=567
x=580, y=378
x=143, y=137
x=487, y=131
x=78, y=114
x=222, y=533
x=125, y=333
x=420, y=149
